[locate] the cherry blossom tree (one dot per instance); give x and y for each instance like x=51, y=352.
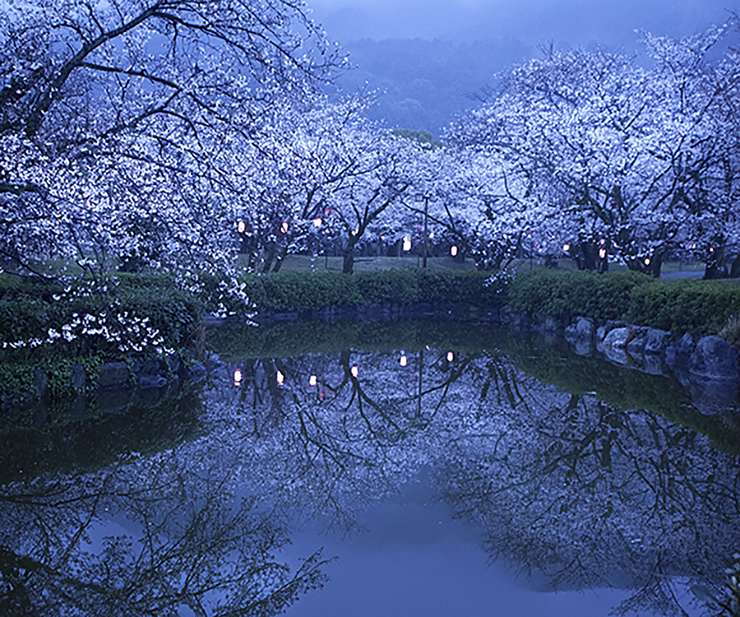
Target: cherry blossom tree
x=119, y=121
x=605, y=158
x=698, y=144
x=334, y=177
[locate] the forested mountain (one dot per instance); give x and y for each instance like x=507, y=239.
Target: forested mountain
x=425, y=84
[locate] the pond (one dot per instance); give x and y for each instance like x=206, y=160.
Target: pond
x=396, y=469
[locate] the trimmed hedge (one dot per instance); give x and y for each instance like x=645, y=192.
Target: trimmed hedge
x=566, y=294
x=28, y=308
x=294, y=291
x=697, y=307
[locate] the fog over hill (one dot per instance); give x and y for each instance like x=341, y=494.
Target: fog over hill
x=429, y=56
x=426, y=84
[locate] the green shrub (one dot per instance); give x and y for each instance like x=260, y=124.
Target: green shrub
x=29, y=309
x=389, y=286
x=731, y=331
x=698, y=307
x=297, y=291
x=566, y=294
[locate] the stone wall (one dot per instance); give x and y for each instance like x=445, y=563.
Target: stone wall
x=710, y=366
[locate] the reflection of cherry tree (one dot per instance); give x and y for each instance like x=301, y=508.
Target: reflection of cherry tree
x=186, y=540
x=561, y=485
x=353, y=437
x=588, y=496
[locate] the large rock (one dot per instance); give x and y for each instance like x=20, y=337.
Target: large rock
x=617, y=338
x=151, y=381
x=714, y=358
x=618, y=355
x=677, y=356
x=636, y=345
x=645, y=349
x=614, y=345
x=601, y=333
x=196, y=372
x=580, y=334
x=652, y=364
x=152, y=374
x=582, y=328
x=114, y=376
x=154, y=367
x=655, y=341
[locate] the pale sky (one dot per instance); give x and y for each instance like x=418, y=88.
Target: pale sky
x=608, y=22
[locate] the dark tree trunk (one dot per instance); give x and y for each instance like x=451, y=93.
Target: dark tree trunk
x=587, y=255
x=269, y=255
x=735, y=269
x=714, y=268
x=348, y=262
x=656, y=263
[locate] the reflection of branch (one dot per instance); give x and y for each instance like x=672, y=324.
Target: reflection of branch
x=198, y=549
x=657, y=595
x=361, y=395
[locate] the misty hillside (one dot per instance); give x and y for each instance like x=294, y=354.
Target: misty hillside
x=426, y=84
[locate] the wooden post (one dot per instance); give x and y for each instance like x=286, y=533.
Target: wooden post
x=426, y=230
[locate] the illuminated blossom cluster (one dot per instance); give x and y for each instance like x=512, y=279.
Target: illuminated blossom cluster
x=120, y=331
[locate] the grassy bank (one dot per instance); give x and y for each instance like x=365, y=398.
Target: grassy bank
x=143, y=314
x=687, y=305
x=55, y=336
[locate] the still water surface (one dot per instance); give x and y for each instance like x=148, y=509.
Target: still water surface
x=407, y=469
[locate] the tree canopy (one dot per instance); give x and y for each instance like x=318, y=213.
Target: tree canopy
x=172, y=135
